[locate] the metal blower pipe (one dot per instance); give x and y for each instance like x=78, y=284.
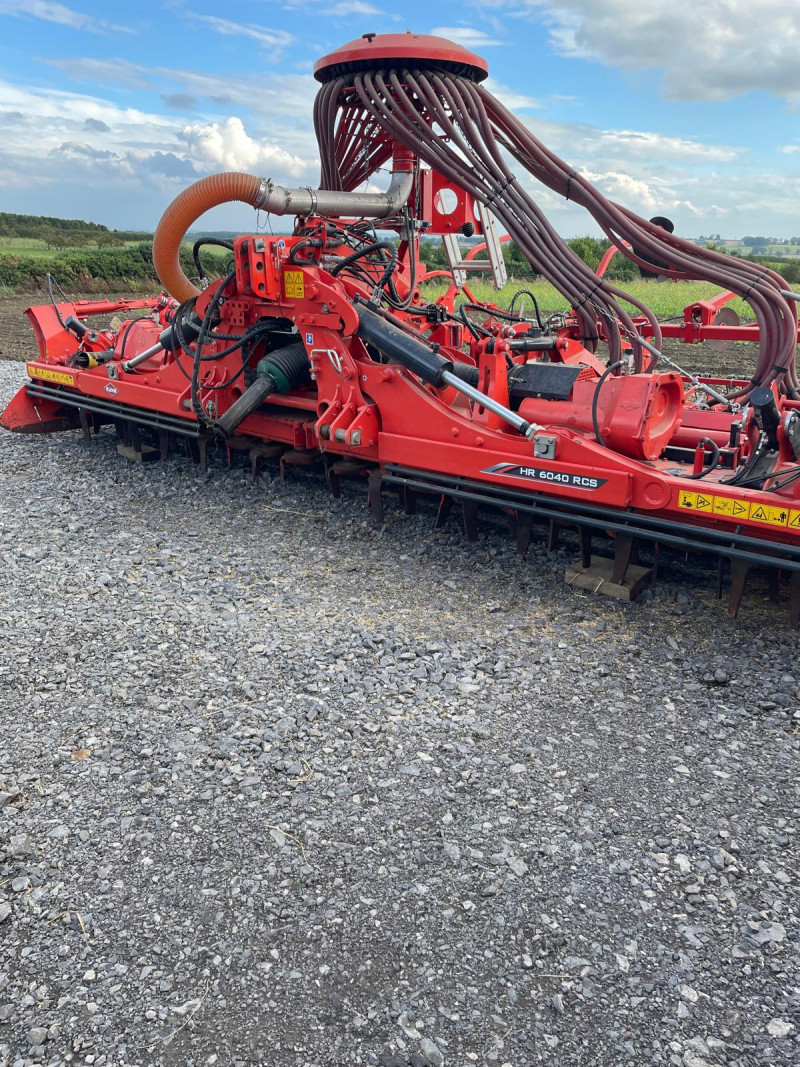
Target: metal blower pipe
x=279, y=200
x=261, y=193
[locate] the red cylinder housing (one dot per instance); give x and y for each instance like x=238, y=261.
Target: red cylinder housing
x=637, y=414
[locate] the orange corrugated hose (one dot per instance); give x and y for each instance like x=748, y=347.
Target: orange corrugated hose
x=186, y=209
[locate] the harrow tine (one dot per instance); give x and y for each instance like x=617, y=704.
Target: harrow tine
x=409, y=500
x=163, y=444
x=260, y=452
x=773, y=584
x=374, y=494
x=524, y=528
x=83, y=415
x=333, y=479
x=584, y=539
x=470, y=513
x=298, y=457
x=443, y=511
x=624, y=552
x=134, y=436
x=202, y=451
x=739, y=572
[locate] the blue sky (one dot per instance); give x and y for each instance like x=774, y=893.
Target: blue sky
x=677, y=107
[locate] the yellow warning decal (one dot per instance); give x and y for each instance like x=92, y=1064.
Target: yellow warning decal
x=731, y=508
x=294, y=285
x=695, y=501
x=687, y=500
x=769, y=514
x=726, y=505
x=47, y=375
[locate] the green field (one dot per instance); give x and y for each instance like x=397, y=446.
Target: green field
x=127, y=267
x=666, y=299
x=36, y=248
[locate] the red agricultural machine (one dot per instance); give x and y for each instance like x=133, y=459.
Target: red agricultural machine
x=320, y=347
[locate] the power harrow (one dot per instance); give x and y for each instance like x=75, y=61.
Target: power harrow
x=321, y=347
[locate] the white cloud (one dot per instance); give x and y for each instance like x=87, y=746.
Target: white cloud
x=511, y=98
x=634, y=148
x=229, y=146
x=48, y=11
x=646, y=197
x=692, y=182
x=467, y=36
x=789, y=149
x=54, y=113
x=275, y=39
x=84, y=156
x=731, y=203
x=352, y=7
x=713, y=50
x=271, y=94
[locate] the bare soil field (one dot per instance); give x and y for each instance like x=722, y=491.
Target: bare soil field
x=17, y=342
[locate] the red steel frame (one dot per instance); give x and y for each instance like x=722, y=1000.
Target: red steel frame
x=378, y=414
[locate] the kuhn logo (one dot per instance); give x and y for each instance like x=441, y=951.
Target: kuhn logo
x=111, y=389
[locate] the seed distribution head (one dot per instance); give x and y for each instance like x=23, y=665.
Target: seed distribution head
x=376, y=51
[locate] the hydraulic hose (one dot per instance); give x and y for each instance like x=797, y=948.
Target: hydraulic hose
x=715, y=458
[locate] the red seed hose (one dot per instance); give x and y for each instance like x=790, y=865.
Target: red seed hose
x=459, y=128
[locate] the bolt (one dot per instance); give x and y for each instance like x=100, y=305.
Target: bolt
x=355, y=437
x=325, y=431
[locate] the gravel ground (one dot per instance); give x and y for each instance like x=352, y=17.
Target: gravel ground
x=281, y=787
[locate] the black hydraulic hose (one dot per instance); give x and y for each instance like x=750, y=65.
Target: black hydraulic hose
x=715, y=458
x=367, y=250
x=50, y=279
x=527, y=292
x=307, y=242
x=217, y=241
x=477, y=331
x=208, y=319
x=125, y=339
x=596, y=395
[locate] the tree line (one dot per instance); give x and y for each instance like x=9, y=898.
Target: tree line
x=62, y=233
